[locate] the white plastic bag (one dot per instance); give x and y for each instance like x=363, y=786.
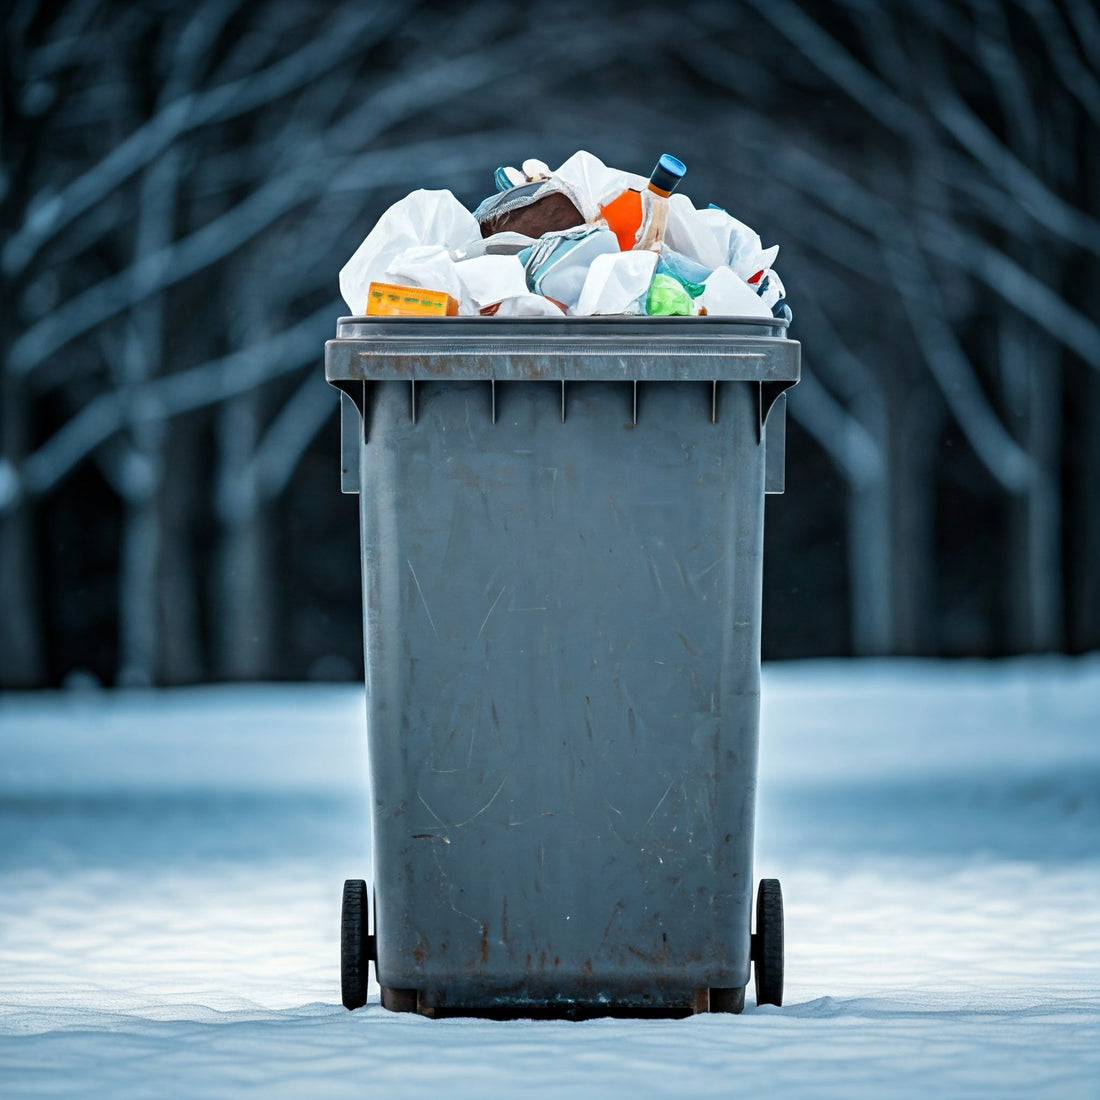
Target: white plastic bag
x=716, y=238
x=424, y=265
x=617, y=282
x=488, y=279
x=528, y=305
x=692, y=233
x=422, y=218
x=727, y=295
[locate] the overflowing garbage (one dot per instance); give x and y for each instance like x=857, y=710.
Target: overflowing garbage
x=585, y=240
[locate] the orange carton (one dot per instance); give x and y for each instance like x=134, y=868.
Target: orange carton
x=388, y=300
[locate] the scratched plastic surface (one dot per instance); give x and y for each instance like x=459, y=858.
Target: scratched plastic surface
x=563, y=622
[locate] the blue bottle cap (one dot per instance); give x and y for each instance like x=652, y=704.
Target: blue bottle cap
x=668, y=173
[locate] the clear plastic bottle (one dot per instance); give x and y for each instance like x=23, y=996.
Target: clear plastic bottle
x=638, y=218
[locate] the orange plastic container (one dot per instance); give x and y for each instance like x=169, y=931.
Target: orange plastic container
x=390, y=300
x=623, y=215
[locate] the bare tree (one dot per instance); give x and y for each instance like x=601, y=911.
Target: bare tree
x=181, y=184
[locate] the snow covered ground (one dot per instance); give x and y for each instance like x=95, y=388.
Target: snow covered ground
x=171, y=863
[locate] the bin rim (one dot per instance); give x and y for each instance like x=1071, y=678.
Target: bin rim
x=562, y=349
x=772, y=326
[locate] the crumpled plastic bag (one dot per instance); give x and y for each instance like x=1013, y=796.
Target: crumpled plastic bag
x=421, y=218
x=617, y=283
x=716, y=239
x=727, y=295
x=475, y=283
x=424, y=265
x=488, y=279
x=692, y=234
x=528, y=305
x=668, y=297
x=744, y=253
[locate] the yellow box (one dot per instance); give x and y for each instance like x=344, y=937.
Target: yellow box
x=389, y=300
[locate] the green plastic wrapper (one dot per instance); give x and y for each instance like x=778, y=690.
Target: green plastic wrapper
x=683, y=270
x=668, y=297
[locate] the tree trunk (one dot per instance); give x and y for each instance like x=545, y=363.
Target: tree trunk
x=870, y=568
x=916, y=599
x=870, y=551
x=1083, y=610
x=22, y=660
x=244, y=623
x=22, y=654
x=181, y=646
x=143, y=352
x=1031, y=381
x=138, y=571
x=1044, y=500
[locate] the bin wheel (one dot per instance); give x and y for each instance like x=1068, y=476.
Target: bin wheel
x=354, y=944
x=767, y=944
x=727, y=1000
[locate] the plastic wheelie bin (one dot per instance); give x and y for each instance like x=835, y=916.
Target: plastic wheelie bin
x=562, y=541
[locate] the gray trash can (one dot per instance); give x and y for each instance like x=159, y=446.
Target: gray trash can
x=562, y=539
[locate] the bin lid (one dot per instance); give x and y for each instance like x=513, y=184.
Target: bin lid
x=562, y=348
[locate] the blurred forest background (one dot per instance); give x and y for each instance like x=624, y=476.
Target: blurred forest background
x=181, y=183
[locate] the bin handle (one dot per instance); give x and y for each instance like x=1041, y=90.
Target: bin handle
x=356, y=391
x=769, y=393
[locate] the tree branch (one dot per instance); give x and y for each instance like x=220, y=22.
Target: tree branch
x=174, y=394
x=850, y=446
x=155, y=272
x=1041, y=304
x=825, y=53
x=351, y=31
x=290, y=433
x=1047, y=208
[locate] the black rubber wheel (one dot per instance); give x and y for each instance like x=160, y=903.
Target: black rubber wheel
x=727, y=1000
x=354, y=953
x=767, y=944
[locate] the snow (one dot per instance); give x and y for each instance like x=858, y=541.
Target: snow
x=171, y=863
